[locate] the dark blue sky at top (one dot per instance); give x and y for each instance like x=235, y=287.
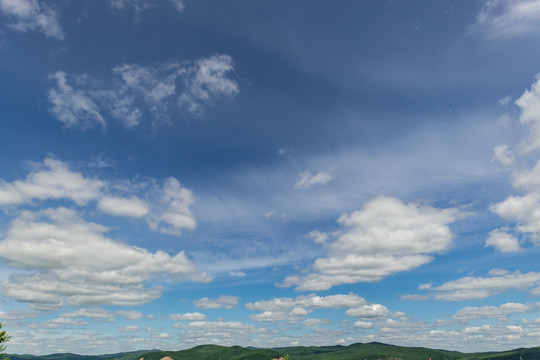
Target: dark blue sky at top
x=302, y=72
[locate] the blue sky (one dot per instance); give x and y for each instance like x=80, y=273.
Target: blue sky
x=269, y=173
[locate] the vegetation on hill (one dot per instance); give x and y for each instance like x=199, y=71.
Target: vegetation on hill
x=369, y=351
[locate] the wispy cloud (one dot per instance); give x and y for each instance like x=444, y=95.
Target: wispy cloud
x=307, y=179
x=508, y=18
x=473, y=288
x=32, y=15
x=74, y=108
x=158, y=92
x=140, y=5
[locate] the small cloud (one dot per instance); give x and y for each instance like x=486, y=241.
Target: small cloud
x=318, y=237
x=503, y=241
x=363, y=325
x=308, y=179
x=503, y=155
x=268, y=214
x=130, y=328
x=223, y=301
x=505, y=101
x=196, y=316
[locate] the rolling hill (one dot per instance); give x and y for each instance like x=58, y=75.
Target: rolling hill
x=359, y=351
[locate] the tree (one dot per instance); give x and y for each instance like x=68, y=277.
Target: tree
x=4, y=338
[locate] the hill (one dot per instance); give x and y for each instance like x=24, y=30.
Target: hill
x=360, y=351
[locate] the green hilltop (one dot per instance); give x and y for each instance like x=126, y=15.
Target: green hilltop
x=360, y=351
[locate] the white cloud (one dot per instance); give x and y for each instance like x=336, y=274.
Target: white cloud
x=529, y=104
x=74, y=108
x=308, y=180
x=129, y=328
x=140, y=5
x=57, y=323
x=96, y=314
x=474, y=288
x=363, y=324
x=133, y=206
x=505, y=101
x=166, y=206
x=493, y=312
x=368, y=311
x=311, y=301
x=173, y=213
x=318, y=237
x=523, y=210
x=315, y=322
x=208, y=81
x=503, y=241
x=130, y=314
x=51, y=180
x=223, y=301
x=508, y=18
x=503, y=155
x=385, y=237
x=292, y=310
x=72, y=260
x=32, y=15
x=159, y=92
x=196, y=316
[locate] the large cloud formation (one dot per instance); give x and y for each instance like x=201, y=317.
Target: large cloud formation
x=66, y=259
x=385, y=237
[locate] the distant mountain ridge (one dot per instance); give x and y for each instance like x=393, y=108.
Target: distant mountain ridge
x=358, y=351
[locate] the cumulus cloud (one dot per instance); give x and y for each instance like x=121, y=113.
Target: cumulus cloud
x=493, y=312
x=474, y=288
x=71, y=260
x=223, y=301
x=32, y=15
x=173, y=213
x=133, y=206
x=529, y=104
x=166, y=206
x=524, y=210
x=508, y=18
x=196, y=316
x=503, y=241
x=59, y=322
x=156, y=92
x=385, y=237
x=368, y=311
x=289, y=309
x=308, y=179
x=129, y=328
x=363, y=324
x=51, y=180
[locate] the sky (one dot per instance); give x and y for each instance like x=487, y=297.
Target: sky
x=269, y=173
